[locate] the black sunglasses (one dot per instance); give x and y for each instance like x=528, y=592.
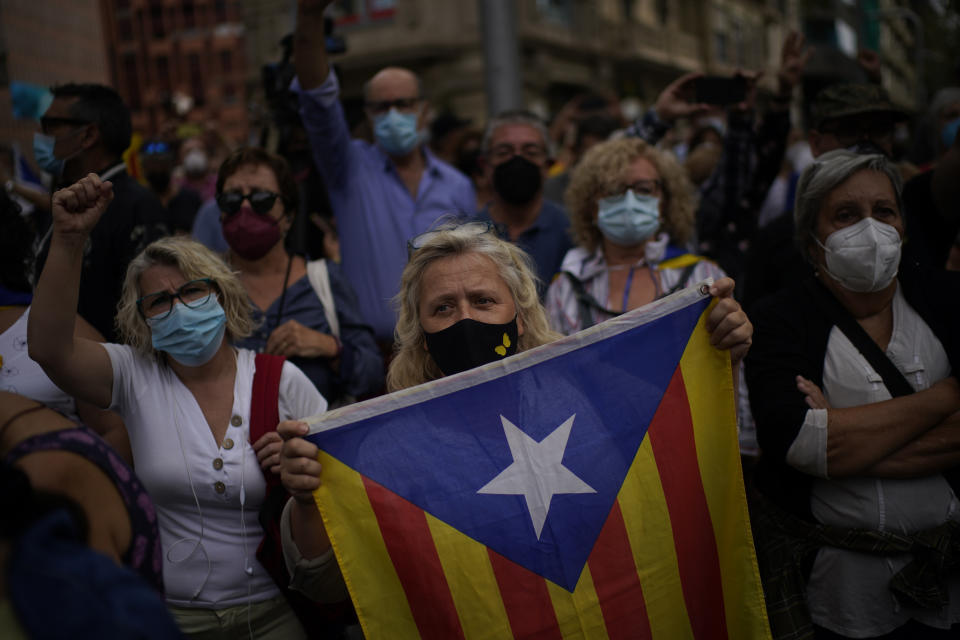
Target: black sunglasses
x=260, y=201
x=46, y=122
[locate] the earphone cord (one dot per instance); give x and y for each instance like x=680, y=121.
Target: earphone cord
x=196, y=500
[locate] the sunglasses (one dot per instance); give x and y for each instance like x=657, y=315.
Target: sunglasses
x=260, y=201
x=474, y=228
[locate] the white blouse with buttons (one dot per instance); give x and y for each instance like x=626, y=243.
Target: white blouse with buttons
x=206, y=552
x=847, y=591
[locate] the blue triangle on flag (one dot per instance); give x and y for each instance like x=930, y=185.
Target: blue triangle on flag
x=440, y=452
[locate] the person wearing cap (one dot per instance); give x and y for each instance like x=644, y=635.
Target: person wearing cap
x=854, y=116
x=382, y=194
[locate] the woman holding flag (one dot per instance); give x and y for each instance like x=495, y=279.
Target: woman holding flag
x=467, y=298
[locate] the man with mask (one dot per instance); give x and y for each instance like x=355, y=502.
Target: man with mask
x=85, y=130
x=515, y=158
x=382, y=194
x=858, y=117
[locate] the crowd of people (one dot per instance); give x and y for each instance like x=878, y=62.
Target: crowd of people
x=160, y=341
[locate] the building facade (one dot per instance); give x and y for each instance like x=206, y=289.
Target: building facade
x=47, y=43
x=179, y=60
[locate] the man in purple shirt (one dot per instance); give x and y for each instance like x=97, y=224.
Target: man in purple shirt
x=381, y=194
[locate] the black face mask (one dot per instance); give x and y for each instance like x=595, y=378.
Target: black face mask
x=159, y=181
x=517, y=180
x=469, y=343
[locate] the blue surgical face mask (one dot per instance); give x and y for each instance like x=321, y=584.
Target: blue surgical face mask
x=190, y=336
x=396, y=132
x=629, y=219
x=949, y=133
x=43, y=153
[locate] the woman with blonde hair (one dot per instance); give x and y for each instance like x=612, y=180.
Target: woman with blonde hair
x=632, y=214
x=184, y=392
x=466, y=298
x=496, y=264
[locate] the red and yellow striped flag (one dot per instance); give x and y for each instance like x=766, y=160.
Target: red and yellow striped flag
x=654, y=543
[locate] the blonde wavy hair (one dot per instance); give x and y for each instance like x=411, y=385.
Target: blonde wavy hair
x=194, y=261
x=412, y=364
x=600, y=171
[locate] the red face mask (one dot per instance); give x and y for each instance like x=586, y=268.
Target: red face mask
x=250, y=235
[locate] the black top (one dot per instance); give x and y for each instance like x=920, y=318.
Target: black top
x=133, y=220
x=930, y=234
x=790, y=338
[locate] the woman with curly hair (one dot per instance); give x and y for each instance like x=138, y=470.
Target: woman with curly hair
x=632, y=213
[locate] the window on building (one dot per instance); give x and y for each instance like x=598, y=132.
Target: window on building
x=229, y=91
x=196, y=78
x=131, y=80
x=124, y=29
x=363, y=11
x=226, y=62
x=720, y=47
x=163, y=74
x=739, y=45
x=558, y=11
x=663, y=11
x=157, y=27
x=189, y=15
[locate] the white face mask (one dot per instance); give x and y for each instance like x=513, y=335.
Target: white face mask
x=863, y=257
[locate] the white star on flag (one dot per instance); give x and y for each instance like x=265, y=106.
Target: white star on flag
x=537, y=472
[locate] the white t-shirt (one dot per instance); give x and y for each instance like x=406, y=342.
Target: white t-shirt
x=19, y=374
x=205, y=553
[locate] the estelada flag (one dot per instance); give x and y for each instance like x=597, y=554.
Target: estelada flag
x=589, y=488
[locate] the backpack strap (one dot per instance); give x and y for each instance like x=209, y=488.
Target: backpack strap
x=319, y=277
x=893, y=380
x=264, y=413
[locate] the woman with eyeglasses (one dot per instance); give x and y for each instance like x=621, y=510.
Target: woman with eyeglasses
x=632, y=214
x=305, y=311
x=184, y=391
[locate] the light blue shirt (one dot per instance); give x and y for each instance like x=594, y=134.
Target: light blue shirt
x=206, y=227
x=375, y=212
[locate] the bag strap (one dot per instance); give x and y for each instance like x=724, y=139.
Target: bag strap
x=586, y=302
x=264, y=413
x=319, y=278
x=896, y=384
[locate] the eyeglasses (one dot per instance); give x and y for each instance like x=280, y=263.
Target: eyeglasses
x=261, y=201
x=401, y=104
x=193, y=294
x=46, y=122
x=532, y=152
x=475, y=228
x=640, y=188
